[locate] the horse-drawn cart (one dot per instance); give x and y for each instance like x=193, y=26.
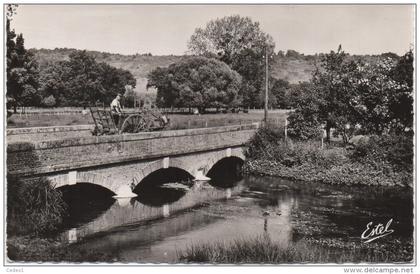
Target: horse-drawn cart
x=141, y=120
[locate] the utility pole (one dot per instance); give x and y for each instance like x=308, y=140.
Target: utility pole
x=266, y=87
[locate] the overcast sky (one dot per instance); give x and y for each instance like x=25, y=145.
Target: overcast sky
x=165, y=29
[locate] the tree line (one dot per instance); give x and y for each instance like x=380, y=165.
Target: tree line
x=78, y=81
x=354, y=96
x=239, y=43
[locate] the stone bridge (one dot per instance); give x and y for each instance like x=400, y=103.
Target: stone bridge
x=120, y=162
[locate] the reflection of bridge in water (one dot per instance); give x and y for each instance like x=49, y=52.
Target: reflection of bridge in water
x=151, y=237
x=132, y=211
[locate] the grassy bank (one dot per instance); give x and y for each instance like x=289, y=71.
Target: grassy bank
x=35, y=209
x=262, y=249
x=345, y=173
x=32, y=249
x=383, y=160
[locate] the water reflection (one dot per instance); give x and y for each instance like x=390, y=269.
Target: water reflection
x=169, y=217
x=158, y=195
x=154, y=203
x=85, y=202
x=125, y=202
x=226, y=173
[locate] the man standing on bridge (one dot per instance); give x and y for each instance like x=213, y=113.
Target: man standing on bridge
x=116, y=109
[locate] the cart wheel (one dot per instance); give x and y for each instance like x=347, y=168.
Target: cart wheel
x=133, y=124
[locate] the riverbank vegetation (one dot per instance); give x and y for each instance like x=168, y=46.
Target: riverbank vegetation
x=382, y=160
x=33, y=207
x=262, y=249
x=372, y=103
x=35, y=249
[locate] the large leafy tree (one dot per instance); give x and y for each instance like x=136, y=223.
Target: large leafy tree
x=333, y=84
x=240, y=43
x=401, y=103
x=383, y=97
x=54, y=82
x=305, y=122
x=81, y=81
x=22, y=69
x=196, y=82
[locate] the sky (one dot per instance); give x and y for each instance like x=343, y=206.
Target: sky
x=166, y=29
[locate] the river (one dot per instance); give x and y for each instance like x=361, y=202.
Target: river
x=164, y=220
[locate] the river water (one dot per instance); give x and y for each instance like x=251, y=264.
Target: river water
x=167, y=219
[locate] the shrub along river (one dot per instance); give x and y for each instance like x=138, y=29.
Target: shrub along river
x=166, y=220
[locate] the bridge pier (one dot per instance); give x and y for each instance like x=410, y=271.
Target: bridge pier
x=199, y=176
x=72, y=178
x=124, y=192
x=123, y=202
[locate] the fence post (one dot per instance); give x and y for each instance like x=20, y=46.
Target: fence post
x=323, y=135
x=285, y=130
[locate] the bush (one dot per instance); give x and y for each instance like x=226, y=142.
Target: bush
x=49, y=101
x=392, y=152
x=33, y=206
x=269, y=144
x=303, y=127
x=263, y=142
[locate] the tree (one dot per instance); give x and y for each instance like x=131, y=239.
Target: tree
x=293, y=54
x=304, y=122
x=332, y=83
x=251, y=66
x=390, y=55
x=53, y=81
x=81, y=81
x=22, y=69
x=240, y=43
x=196, y=82
x=383, y=98
x=279, y=90
x=401, y=103
x=294, y=92
x=129, y=96
x=113, y=81
x=280, y=54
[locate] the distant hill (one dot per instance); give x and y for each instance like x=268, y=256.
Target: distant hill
x=293, y=69
x=138, y=65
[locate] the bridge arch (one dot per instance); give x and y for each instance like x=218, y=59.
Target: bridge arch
x=226, y=172
x=163, y=175
x=59, y=181
x=132, y=173
x=221, y=155
x=90, y=185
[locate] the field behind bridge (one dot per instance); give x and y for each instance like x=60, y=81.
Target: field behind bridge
x=177, y=121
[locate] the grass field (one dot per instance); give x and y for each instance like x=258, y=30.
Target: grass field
x=177, y=121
